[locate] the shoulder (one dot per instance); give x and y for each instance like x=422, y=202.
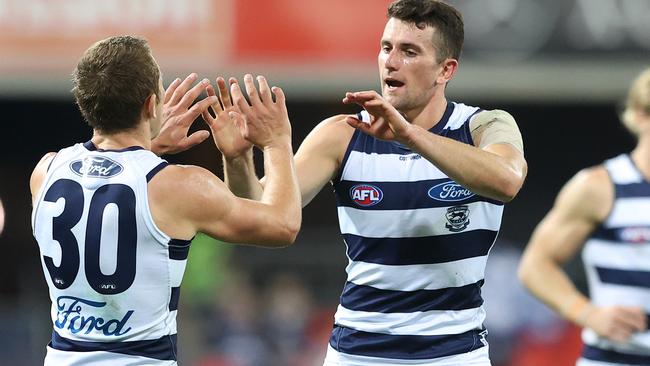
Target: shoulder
x=39, y=172
x=589, y=193
x=333, y=135
x=189, y=182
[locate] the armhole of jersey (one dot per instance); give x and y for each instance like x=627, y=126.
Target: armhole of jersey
x=469, y=129
x=162, y=238
x=353, y=140
x=41, y=190
x=155, y=170
x=611, y=207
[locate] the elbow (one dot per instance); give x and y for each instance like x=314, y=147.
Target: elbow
x=287, y=231
x=509, y=188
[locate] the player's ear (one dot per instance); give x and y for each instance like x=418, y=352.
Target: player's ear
x=447, y=70
x=149, y=107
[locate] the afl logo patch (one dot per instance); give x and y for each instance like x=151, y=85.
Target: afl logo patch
x=366, y=195
x=96, y=166
x=449, y=192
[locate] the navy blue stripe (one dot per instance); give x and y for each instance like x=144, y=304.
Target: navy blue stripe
x=173, y=300
x=89, y=145
x=163, y=348
x=423, y=250
x=155, y=170
x=437, y=128
x=623, y=235
x=354, y=342
x=179, y=249
x=407, y=195
x=633, y=190
x=367, y=298
x=598, y=354
x=624, y=277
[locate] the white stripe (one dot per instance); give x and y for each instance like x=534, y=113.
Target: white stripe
x=606, y=254
x=388, y=168
x=422, y=323
x=623, y=170
x=586, y=362
x=414, y=223
x=176, y=270
x=479, y=357
x=460, y=114
x=627, y=212
x=417, y=276
x=636, y=345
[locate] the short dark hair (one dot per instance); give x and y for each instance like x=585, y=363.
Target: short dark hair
x=444, y=18
x=113, y=79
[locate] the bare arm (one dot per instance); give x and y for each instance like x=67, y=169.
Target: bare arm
x=496, y=171
x=317, y=160
x=204, y=204
x=579, y=208
x=38, y=174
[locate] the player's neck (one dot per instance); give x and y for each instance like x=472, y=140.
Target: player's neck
x=428, y=115
x=139, y=136
x=641, y=155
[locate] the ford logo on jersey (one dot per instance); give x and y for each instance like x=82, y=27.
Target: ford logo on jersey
x=366, y=195
x=76, y=314
x=96, y=166
x=449, y=191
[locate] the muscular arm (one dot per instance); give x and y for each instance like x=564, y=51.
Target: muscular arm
x=202, y=203
x=581, y=204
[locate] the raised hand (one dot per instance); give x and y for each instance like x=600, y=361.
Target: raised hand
x=264, y=122
x=617, y=323
x=386, y=122
x=225, y=130
x=179, y=114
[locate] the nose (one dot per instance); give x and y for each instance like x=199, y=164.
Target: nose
x=391, y=60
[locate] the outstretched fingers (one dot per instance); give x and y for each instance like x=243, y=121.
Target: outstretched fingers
x=182, y=88
x=238, y=97
x=170, y=90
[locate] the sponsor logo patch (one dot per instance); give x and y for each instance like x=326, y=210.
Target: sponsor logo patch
x=457, y=218
x=96, y=166
x=366, y=195
x=449, y=192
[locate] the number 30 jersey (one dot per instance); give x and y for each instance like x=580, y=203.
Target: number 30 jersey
x=113, y=276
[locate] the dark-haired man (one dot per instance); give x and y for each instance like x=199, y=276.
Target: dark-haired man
x=114, y=221
x=420, y=184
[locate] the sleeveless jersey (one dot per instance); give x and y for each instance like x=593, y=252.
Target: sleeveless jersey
x=417, y=244
x=617, y=262
x=113, y=276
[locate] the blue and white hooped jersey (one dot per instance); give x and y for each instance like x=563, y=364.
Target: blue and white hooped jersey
x=417, y=244
x=113, y=276
x=617, y=261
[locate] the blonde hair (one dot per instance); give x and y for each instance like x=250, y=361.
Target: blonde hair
x=638, y=99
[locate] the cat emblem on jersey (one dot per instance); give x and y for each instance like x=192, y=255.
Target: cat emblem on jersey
x=96, y=167
x=457, y=218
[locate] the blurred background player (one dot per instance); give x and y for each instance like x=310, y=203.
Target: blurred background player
x=605, y=212
x=420, y=186
x=114, y=221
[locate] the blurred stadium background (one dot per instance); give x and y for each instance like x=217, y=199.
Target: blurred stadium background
x=560, y=67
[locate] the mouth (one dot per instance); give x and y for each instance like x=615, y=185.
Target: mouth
x=393, y=84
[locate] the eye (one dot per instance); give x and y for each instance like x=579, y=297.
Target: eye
x=410, y=53
x=385, y=49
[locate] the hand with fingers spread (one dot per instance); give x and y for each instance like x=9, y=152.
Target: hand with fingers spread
x=264, y=122
x=179, y=114
x=386, y=122
x=617, y=323
x=225, y=131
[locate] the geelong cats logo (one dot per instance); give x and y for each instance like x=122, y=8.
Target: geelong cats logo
x=366, y=195
x=457, y=218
